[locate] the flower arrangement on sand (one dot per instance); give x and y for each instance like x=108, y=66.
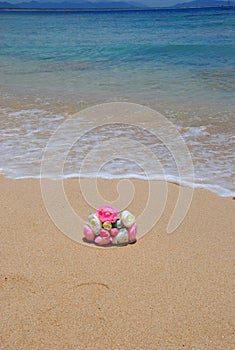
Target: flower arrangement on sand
x=108, y=226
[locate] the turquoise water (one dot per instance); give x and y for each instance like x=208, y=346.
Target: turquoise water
x=162, y=55
x=181, y=63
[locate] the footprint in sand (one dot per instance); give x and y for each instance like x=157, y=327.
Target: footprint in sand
x=15, y=286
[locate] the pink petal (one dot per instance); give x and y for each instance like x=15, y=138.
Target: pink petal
x=88, y=233
x=114, y=232
x=104, y=233
x=102, y=240
x=132, y=232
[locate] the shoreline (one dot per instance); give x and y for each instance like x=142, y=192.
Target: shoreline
x=166, y=291
x=203, y=141
x=213, y=188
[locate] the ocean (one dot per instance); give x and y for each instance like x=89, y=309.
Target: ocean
x=180, y=63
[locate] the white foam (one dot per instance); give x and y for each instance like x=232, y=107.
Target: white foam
x=25, y=134
x=220, y=190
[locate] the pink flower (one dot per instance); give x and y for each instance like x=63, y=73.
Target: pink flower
x=107, y=213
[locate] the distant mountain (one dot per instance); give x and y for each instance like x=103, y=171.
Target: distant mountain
x=202, y=3
x=71, y=5
x=7, y=5
x=86, y=4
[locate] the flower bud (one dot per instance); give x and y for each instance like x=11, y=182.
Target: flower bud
x=107, y=225
x=94, y=223
x=127, y=218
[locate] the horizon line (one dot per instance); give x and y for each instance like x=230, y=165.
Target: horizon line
x=106, y=8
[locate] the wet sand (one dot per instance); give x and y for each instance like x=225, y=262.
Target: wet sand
x=164, y=292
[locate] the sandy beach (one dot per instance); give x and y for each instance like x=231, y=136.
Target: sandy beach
x=113, y=94
x=164, y=292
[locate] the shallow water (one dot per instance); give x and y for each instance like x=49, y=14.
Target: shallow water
x=180, y=63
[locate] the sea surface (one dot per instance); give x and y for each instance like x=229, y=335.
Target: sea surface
x=178, y=62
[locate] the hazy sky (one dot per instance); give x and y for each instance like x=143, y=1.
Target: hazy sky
x=147, y=2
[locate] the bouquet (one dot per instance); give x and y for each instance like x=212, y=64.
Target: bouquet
x=109, y=227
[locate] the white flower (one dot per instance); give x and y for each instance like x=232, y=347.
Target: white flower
x=127, y=218
x=94, y=223
x=121, y=238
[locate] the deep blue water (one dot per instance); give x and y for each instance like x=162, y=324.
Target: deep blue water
x=162, y=54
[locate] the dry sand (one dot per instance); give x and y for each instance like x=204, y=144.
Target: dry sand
x=165, y=292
